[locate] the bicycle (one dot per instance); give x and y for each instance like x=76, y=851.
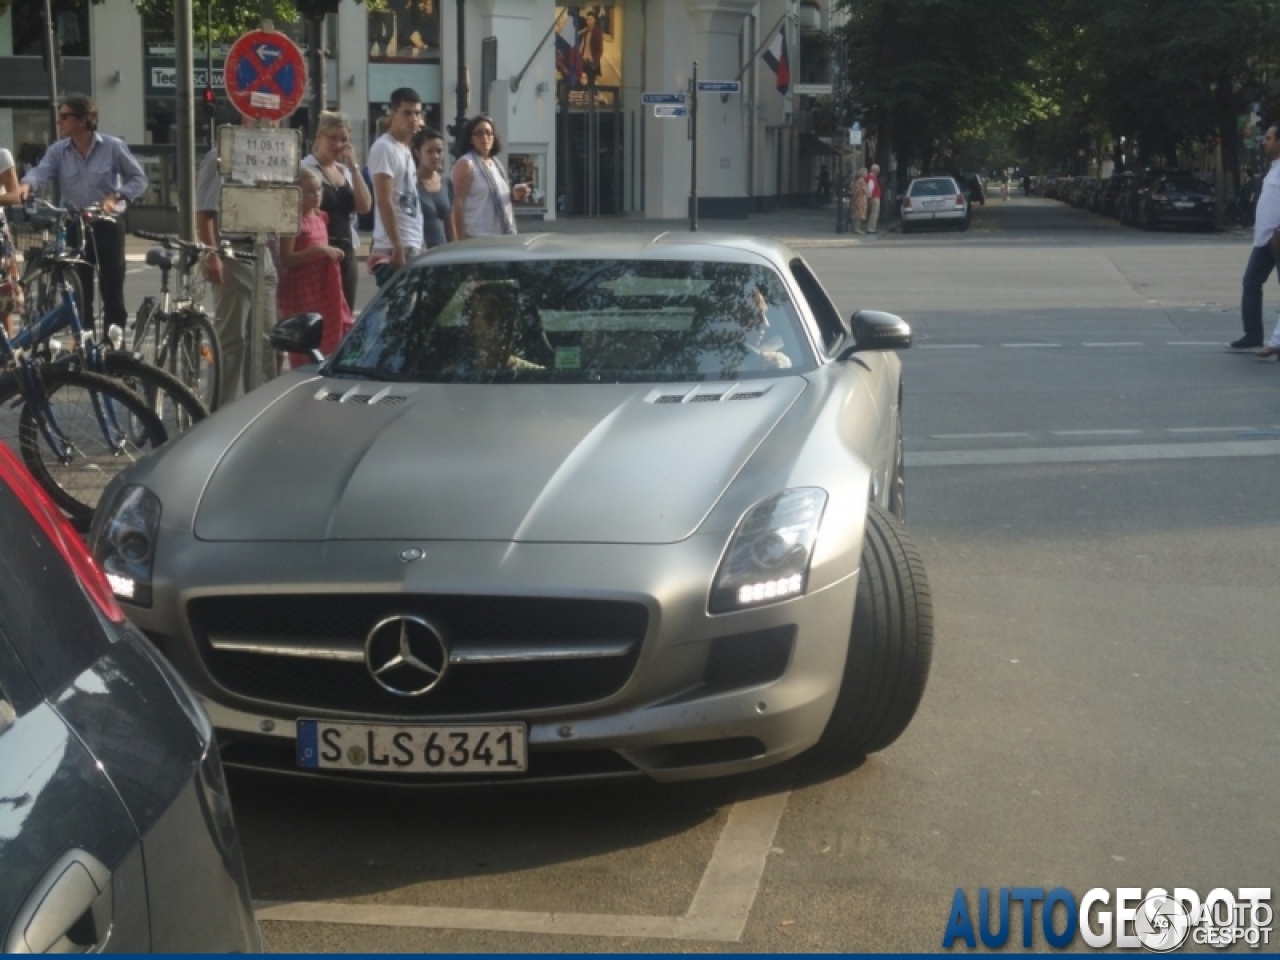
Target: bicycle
x=76, y=429
x=52, y=277
x=176, y=332
x=55, y=261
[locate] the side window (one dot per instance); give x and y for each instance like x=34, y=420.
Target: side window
x=831, y=327
x=43, y=610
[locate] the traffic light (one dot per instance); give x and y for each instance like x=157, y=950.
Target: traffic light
x=210, y=102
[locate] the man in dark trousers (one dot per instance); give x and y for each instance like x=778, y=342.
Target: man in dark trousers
x=1262, y=258
x=92, y=168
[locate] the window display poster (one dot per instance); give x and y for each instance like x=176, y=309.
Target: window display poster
x=589, y=45
x=404, y=30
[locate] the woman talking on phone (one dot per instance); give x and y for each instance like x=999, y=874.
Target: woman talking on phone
x=482, y=194
x=345, y=192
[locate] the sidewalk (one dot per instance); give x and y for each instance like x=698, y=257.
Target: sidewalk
x=797, y=226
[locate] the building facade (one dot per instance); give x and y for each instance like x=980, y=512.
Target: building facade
x=565, y=85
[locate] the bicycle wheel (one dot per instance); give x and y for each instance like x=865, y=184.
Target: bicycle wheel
x=192, y=354
x=148, y=327
x=43, y=291
x=178, y=408
x=75, y=437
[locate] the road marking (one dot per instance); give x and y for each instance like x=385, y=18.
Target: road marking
x=950, y=346
x=1216, y=429
x=1146, y=451
x=979, y=436
x=1094, y=433
x=718, y=912
x=1193, y=343
x=1020, y=346
x=1115, y=343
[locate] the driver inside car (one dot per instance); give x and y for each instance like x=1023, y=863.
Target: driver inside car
x=492, y=319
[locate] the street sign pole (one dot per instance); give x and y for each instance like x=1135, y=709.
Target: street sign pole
x=693, y=151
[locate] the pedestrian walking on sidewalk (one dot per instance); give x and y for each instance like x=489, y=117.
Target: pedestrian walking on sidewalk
x=346, y=195
x=873, y=198
x=1262, y=258
x=860, y=201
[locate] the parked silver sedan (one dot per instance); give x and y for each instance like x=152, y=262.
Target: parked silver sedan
x=934, y=200
x=556, y=508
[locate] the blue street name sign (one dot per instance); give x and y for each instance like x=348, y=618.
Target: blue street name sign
x=719, y=86
x=662, y=98
x=670, y=111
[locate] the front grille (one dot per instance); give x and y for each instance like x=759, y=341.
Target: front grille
x=471, y=622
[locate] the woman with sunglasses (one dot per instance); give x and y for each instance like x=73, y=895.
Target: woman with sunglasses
x=482, y=194
x=345, y=193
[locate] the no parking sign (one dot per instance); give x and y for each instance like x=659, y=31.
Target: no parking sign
x=265, y=75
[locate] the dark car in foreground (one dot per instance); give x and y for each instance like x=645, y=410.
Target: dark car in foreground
x=116, y=831
x=556, y=508
x=1178, y=199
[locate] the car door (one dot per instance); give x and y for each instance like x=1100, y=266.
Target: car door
x=71, y=872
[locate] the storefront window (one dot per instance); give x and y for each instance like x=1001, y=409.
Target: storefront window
x=71, y=18
x=405, y=30
x=530, y=168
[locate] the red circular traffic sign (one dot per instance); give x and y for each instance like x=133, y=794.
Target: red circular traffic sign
x=265, y=75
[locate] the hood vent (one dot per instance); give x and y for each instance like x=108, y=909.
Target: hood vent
x=705, y=395
x=361, y=395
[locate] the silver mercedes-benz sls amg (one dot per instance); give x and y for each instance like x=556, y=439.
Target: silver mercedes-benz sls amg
x=556, y=508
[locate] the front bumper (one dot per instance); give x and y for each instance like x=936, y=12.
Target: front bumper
x=700, y=695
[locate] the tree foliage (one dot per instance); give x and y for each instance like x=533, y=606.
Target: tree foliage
x=1059, y=83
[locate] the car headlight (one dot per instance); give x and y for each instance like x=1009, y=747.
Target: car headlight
x=123, y=540
x=768, y=556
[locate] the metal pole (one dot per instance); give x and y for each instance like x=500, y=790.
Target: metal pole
x=54, y=55
x=461, y=121
x=319, y=98
x=693, y=151
x=185, y=129
x=208, y=70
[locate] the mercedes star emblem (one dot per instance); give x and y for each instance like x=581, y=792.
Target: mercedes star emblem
x=405, y=655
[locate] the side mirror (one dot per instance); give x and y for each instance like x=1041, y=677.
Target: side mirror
x=300, y=333
x=877, y=330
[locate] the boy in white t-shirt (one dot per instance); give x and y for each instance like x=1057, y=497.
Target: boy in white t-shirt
x=397, y=221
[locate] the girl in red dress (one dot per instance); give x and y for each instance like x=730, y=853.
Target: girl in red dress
x=312, y=279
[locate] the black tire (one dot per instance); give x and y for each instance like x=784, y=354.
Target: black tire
x=76, y=482
x=192, y=354
x=890, y=647
x=178, y=408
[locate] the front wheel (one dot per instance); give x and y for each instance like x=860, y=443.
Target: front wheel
x=890, y=646
x=177, y=406
x=43, y=290
x=79, y=431
x=192, y=354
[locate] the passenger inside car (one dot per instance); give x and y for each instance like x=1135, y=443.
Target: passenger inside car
x=492, y=322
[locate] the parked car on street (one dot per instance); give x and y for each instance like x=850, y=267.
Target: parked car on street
x=936, y=201
x=1178, y=199
x=116, y=832
x=1116, y=187
x=1130, y=202
x=556, y=508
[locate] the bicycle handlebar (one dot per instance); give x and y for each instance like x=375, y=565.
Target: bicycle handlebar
x=35, y=206
x=171, y=242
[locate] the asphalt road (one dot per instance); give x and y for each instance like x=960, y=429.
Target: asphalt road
x=1092, y=482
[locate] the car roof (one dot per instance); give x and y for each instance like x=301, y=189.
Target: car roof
x=667, y=245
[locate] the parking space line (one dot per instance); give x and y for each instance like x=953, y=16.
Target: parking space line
x=979, y=436
x=1114, y=343
x=718, y=912
x=1095, y=433
x=1044, y=455
x=1020, y=346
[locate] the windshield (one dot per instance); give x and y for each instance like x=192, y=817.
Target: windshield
x=545, y=321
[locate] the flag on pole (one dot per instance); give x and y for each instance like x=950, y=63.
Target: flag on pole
x=568, y=55
x=775, y=55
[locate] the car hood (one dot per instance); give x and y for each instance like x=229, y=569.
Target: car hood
x=532, y=463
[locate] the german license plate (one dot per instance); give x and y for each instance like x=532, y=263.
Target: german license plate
x=1183, y=204
x=424, y=748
